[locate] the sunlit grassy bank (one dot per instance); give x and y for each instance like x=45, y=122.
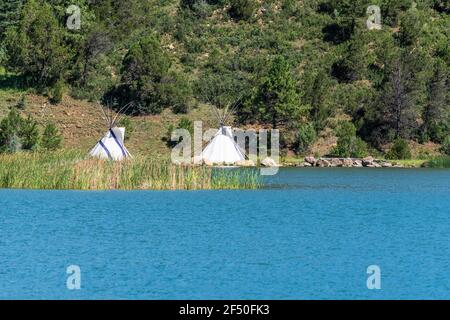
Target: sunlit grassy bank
x=73, y=170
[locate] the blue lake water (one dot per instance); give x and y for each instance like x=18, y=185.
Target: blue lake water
x=310, y=235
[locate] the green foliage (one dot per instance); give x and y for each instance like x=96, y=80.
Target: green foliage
x=126, y=123
x=292, y=62
x=10, y=132
x=22, y=103
x=35, y=47
x=9, y=14
x=17, y=133
x=184, y=123
x=399, y=151
x=51, y=139
x=439, y=162
x=146, y=79
x=29, y=134
x=348, y=144
x=306, y=136
x=436, y=114
x=57, y=92
x=277, y=99
x=446, y=146
x=242, y=9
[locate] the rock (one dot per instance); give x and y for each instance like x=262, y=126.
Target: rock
x=336, y=162
x=322, y=163
x=269, y=162
x=376, y=165
x=386, y=164
x=246, y=163
x=311, y=160
x=347, y=162
x=357, y=164
x=306, y=164
x=367, y=161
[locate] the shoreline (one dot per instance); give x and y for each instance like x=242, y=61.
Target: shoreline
x=367, y=162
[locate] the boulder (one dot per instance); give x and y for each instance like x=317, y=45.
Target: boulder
x=357, y=163
x=269, y=162
x=386, y=164
x=311, y=160
x=306, y=164
x=322, y=163
x=367, y=161
x=336, y=162
x=347, y=162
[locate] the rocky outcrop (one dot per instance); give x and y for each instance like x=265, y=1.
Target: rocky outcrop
x=367, y=162
x=311, y=160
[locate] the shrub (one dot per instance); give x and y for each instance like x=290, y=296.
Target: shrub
x=22, y=103
x=29, y=134
x=184, y=123
x=445, y=148
x=306, y=136
x=17, y=133
x=399, y=150
x=9, y=132
x=242, y=9
x=348, y=144
x=128, y=125
x=57, y=92
x=51, y=139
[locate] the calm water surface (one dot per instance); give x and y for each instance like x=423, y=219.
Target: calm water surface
x=310, y=235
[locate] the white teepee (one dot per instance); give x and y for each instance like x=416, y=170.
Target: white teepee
x=223, y=149
x=111, y=146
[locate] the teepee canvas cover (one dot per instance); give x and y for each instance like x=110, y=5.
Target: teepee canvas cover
x=223, y=148
x=111, y=146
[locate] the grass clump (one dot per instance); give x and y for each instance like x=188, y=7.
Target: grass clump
x=73, y=170
x=439, y=162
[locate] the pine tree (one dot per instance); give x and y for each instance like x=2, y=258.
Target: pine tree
x=9, y=14
x=277, y=99
x=435, y=115
x=51, y=139
x=36, y=47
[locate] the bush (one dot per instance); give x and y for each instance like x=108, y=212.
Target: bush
x=17, y=133
x=51, y=139
x=29, y=134
x=445, y=148
x=348, y=144
x=242, y=9
x=22, y=103
x=57, y=92
x=400, y=150
x=128, y=125
x=184, y=123
x=306, y=136
x=9, y=132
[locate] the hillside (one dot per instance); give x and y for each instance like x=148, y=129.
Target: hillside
x=309, y=68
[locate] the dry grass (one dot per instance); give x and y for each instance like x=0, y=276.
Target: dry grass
x=73, y=170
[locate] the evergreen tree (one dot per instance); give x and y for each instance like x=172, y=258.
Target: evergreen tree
x=436, y=112
x=51, y=139
x=9, y=14
x=36, y=47
x=277, y=98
